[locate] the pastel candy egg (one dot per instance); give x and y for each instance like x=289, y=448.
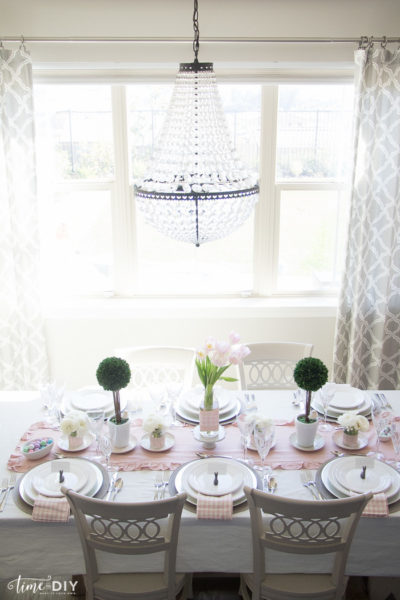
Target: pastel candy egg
x=31, y=446
x=25, y=449
x=42, y=444
x=49, y=441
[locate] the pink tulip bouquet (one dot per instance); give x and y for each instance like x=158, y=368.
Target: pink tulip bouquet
x=214, y=359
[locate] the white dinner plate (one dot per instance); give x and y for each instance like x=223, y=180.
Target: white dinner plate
x=193, y=413
x=87, y=440
x=92, y=399
x=238, y=497
x=194, y=418
x=348, y=474
x=49, y=484
x=364, y=408
x=392, y=494
x=92, y=485
x=215, y=479
x=169, y=441
x=348, y=399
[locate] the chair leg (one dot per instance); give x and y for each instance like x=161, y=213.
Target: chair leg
x=243, y=589
x=188, y=587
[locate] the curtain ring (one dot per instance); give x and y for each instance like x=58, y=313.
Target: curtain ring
x=371, y=42
x=22, y=44
x=363, y=43
x=384, y=42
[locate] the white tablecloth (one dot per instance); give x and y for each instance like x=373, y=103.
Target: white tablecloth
x=35, y=549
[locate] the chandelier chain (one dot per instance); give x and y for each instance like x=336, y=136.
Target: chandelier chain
x=196, y=43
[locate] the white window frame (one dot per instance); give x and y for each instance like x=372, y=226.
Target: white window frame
x=266, y=222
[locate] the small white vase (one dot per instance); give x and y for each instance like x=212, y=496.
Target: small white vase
x=119, y=433
x=157, y=443
x=350, y=441
x=306, y=432
x=74, y=441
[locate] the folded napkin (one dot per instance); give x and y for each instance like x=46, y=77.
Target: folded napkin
x=50, y=509
x=377, y=506
x=214, y=507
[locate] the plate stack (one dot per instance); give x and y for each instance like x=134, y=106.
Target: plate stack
x=189, y=405
x=198, y=476
x=342, y=477
x=79, y=475
x=346, y=398
x=90, y=399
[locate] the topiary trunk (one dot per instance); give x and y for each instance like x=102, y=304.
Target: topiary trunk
x=117, y=406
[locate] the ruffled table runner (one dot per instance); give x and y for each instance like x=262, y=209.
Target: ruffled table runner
x=283, y=455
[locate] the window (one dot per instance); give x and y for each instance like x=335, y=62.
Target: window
x=95, y=141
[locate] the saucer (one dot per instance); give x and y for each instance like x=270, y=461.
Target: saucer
x=362, y=440
x=168, y=443
x=127, y=448
x=319, y=443
x=87, y=440
x=200, y=437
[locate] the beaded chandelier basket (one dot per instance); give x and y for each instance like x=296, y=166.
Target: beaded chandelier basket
x=197, y=189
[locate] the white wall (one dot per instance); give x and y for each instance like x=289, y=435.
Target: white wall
x=78, y=340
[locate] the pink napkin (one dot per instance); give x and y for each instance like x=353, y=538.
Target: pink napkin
x=377, y=506
x=214, y=507
x=50, y=509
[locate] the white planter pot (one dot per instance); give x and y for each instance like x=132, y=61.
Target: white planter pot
x=306, y=432
x=119, y=433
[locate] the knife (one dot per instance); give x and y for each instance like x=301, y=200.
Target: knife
x=111, y=487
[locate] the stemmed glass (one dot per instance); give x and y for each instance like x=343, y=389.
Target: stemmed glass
x=96, y=421
x=382, y=419
x=174, y=390
x=245, y=425
x=52, y=396
x=105, y=446
x=263, y=438
x=395, y=435
x=325, y=396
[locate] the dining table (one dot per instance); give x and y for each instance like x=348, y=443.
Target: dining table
x=39, y=549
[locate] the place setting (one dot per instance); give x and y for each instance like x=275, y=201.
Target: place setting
x=188, y=409
x=333, y=399
x=91, y=398
x=345, y=476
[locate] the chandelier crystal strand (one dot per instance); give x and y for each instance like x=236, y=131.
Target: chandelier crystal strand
x=197, y=189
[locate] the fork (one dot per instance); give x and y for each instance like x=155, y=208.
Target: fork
x=313, y=484
x=10, y=487
x=3, y=489
x=158, y=484
x=384, y=401
x=165, y=482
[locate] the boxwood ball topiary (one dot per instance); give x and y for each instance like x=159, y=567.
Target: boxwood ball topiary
x=113, y=373
x=310, y=374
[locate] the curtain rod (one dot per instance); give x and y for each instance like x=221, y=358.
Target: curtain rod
x=365, y=40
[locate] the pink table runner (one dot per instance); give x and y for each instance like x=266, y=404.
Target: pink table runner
x=283, y=455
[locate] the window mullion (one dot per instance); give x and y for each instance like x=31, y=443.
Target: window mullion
x=265, y=232
x=123, y=209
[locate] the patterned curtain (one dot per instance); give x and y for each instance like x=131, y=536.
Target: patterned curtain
x=367, y=344
x=23, y=357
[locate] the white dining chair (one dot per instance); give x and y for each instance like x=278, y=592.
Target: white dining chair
x=159, y=365
x=135, y=529
x=300, y=527
x=270, y=365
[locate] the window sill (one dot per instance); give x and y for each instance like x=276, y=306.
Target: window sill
x=194, y=308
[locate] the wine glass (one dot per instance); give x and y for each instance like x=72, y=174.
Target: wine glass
x=96, y=421
x=382, y=419
x=263, y=439
x=395, y=436
x=105, y=446
x=174, y=390
x=326, y=395
x=245, y=425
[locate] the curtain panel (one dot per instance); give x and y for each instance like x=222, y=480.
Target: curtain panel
x=23, y=356
x=367, y=342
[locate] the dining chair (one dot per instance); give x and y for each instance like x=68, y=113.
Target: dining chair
x=270, y=365
x=132, y=529
x=300, y=527
x=155, y=365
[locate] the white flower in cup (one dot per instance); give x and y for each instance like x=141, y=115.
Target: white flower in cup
x=352, y=422
x=155, y=425
x=75, y=423
x=261, y=422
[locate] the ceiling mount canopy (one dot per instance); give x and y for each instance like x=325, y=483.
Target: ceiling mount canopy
x=197, y=189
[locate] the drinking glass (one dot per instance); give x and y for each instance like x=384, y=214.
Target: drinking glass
x=51, y=396
x=326, y=394
x=382, y=419
x=174, y=391
x=105, y=446
x=245, y=425
x=395, y=435
x=263, y=438
x=96, y=421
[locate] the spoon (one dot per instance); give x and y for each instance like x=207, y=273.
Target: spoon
x=117, y=487
x=204, y=455
x=272, y=485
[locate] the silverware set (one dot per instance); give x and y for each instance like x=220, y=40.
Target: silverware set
x=311, y=484
x=115, y=486
x=160, y=485
x=382, y=400
x=7, y=486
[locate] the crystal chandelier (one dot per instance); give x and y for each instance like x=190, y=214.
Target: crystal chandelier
x=197, y=189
